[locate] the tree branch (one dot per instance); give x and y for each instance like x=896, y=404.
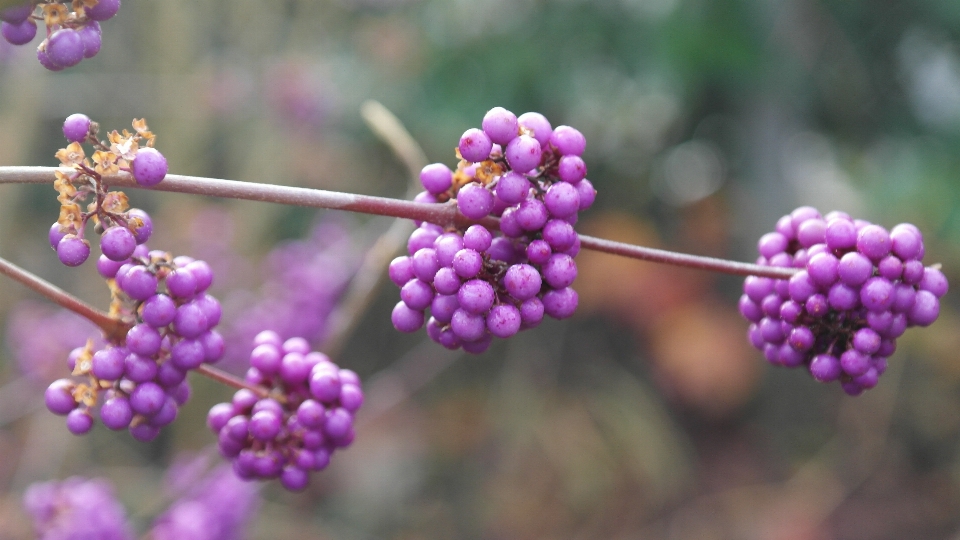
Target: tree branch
x=445, y=214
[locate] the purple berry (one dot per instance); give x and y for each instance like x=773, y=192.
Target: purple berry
x=158, y=310
x=587, y=194
x=59, y=397
x=538, y=125
x=523, y=154
x=147, y=399
x=559, y=271
x=181, y=283
x=138, y=282
x=79, y=421
x=513, y=187
x=571, y=169
x=92, y=39
x=17, y=14
x=532, y=215
x=468, y=326
x=65, y=47
x=474, y=201
x=475, y=145
x=73, y=251
x=500, y=125
x=560, y=304
x=139, y=369
x=118, y=243
x=149, y=166
x=436, y=178
x=477, y=238
x=447, y=245
x=105, y=9
x=401, y=270
x=874, y=242
x=503, y=320
x=522, y=281
x=187, y=354
x=476, y=296
x=539, y=251
x=562, y=200
x=568, y=141
x=142, y=233
x=116, y=413
x=467, y=263
x=825, y=367
x=45, y=60
x=19, y=33
x=406, y=319
x=55, y=235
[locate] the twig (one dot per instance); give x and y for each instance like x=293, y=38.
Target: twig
x=231, y=380
x=370, y=273
x=391, y=131
x=113, y=329
x=445, y=214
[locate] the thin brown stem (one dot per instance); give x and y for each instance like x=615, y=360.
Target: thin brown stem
x=231, y=380
x=113, y=329
x=684, y=259
x=445, y=214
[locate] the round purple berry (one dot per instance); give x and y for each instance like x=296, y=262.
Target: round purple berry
x=475, y=145
x=500, y=125
x=118, y=243
x=73, y=251
x=436, y=178
x=65, y=47
x=19, y=33
x=523, y=154
x=149, y=167
x=105, y=9
x=568, y=141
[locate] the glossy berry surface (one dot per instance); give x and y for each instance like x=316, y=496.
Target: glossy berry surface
x=479, y=283
x=859, y=287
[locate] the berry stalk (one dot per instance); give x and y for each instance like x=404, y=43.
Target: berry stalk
x=230, y=380
x=444, y=215
x=113, y=329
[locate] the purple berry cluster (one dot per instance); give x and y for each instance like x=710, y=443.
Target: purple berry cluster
x=77, y=508
x=480, y=282
x=142, y=377
x=859, y=288
x=71, y=35
x=121, y=230
x=308, y=415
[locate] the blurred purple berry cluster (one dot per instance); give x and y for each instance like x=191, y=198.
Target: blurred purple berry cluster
x=71, y=35
x=77, y=508
x=480, y=282
x=308, y=414
x=859, y=288
x=122, y=229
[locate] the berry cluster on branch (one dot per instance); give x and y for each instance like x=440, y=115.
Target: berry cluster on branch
x=480, y=282
x=859, y=288
x=295, y=429
x=72, y=28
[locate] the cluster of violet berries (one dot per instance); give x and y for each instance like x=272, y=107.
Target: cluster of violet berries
x=121, y=230
x=71, y=35
x=139, y=378
x=142, y=378
x=308, y=414
x=859, y=288
x=480, y=282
